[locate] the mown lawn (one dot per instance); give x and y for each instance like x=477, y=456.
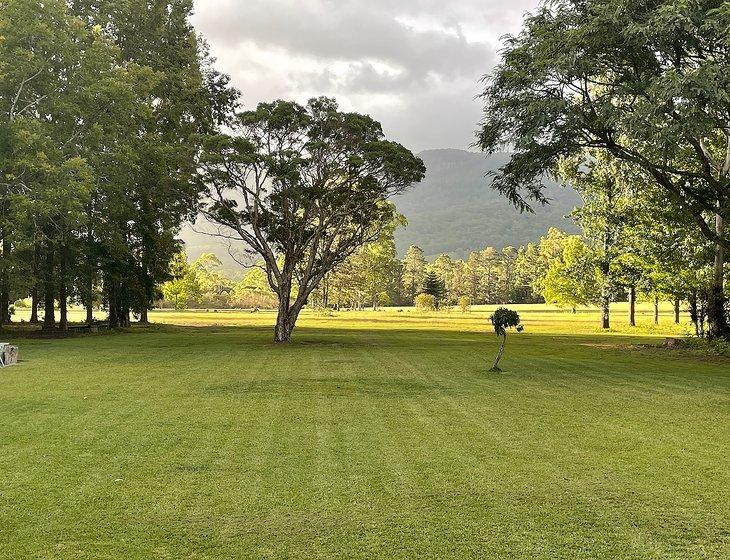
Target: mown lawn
x=370, y=436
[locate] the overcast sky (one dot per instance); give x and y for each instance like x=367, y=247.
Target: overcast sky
x=414, y=65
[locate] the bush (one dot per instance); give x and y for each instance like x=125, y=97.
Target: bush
x=384, y=300
x=464, y=304
x=20, y=304
x=425, y=302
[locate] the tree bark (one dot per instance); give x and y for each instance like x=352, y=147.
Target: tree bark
x=694, y=312
x=63, y=289
x=495, y=367
x=89, y=312
x=606, y=294
x=5, y=283
x=656, y=310
x=143, y=315
x=717, y=321
x=34, y=305
x=49, y=318
x=632, y=306
x=286, y=318
x=34, y=289
x=677, y=303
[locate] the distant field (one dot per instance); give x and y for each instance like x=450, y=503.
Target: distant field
x=372, y=435
x=537, y=318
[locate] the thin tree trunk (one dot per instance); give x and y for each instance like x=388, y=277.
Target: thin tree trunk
x=89, y=312
x=716, y=319
x=632, y=306
x=5, y=282
x=111, y=294
x=49, y=318
x=495, y=367
x=656, y=310
x=34, y=305
x=677, y=303
x=34, y=289
x=694, y=312
x=63, y=289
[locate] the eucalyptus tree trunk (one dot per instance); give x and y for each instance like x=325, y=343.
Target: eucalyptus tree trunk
x=716, y=319
x=632, y=306
x=63, y=289
x=90, y=309
x=694, y=312
x=49, y=318
x=288, y=313
x=34, y=305
x=5, y=282
x=677, y=303
x=34, y=290
x=606, y=293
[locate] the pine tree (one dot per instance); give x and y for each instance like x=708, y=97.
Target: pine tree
x=433, y=286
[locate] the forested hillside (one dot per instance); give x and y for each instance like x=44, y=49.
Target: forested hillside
x=454, y=211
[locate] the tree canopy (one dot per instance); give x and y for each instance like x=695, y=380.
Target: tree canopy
x=303, y=187
x=645, y=81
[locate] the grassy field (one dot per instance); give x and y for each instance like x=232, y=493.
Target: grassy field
x=372, y=435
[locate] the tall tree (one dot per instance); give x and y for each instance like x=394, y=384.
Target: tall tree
x=304, y=187
x=571, y=280
x=147, y=197
x=607, y=214
x=414, y=269
x=644, y=80
x=433, y=285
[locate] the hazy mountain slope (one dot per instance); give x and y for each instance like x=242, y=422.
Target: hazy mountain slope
x=454, y=211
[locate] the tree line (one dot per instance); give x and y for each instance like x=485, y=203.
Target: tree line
x=102, y=106
x=115, y=129
x=629, y=100
x=569, y=270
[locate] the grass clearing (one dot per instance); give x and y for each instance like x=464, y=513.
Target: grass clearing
x=372, y=435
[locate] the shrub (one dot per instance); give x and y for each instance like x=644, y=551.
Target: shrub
x=384, y=300
x=425, y=302
x=503, y=319
x=464, y=304
x=20, y=304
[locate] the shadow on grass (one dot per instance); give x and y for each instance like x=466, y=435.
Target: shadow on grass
x=341, y=337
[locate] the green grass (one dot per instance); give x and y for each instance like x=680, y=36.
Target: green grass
x=372, y=435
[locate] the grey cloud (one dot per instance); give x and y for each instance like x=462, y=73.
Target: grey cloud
x=413, y=64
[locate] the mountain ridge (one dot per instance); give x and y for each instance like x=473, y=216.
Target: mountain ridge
x=453, y=210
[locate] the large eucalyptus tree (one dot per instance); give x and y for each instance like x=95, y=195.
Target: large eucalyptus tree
x=303, y=187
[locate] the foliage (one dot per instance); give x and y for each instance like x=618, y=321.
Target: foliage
x=464, y=304
x=102, y=107
x=645, y=82
x=434, y=286
x=414, y=272
x=305, y=183
x=425, y=302
x=503, y=319
x=571, y=279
